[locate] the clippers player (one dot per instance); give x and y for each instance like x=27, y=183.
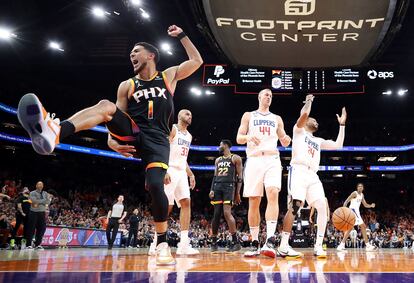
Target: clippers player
x=303, y=181
x=176, y=181
x=141, y=117
x=228, y=172
x=356, y=198
x=261, y=130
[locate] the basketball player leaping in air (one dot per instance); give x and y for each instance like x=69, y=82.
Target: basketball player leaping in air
x=176, y=181
x=140, y=117
x=303, y=181
x=261, y=130
x=356, y=198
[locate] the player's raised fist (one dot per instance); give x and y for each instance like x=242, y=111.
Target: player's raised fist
x=174, y=30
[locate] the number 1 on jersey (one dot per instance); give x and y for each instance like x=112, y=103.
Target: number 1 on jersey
x=150, y=109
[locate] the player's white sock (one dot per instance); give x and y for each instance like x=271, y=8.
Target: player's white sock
x=155, y=239
x=184, y=236
x=321, y=220
x=285, y=239
x=254, y=231
x=270, y=228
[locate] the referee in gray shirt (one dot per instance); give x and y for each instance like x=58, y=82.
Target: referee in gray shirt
x=115, y=216
x=37, y=216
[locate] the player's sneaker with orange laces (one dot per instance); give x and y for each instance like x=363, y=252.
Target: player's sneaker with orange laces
x=43, y=128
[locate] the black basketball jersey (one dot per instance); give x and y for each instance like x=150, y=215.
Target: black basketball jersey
x=225, y=170
x=151, y=104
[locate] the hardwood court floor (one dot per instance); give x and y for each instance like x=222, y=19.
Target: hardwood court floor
x=386, y=265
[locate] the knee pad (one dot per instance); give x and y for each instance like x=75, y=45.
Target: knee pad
x=296, y=204
x=155, y=184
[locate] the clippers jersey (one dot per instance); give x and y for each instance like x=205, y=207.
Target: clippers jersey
x=179, y=148
x=264, y=127
x=151, y=103
x=226, y=170
x=306, y=149
x=356, y=202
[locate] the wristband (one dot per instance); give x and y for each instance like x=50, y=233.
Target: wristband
x=181, y=35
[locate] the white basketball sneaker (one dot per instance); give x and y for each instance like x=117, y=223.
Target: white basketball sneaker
x=288, y=252
x=43, y=128
x=164, y=256
x=184, y=248
x=319, y=252
x=341, y=247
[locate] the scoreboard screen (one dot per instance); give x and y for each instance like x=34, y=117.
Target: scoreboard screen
x=250, y=80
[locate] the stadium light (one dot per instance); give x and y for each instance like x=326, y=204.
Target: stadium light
x=388, y=92
x=55, y=46
x=196, y=91
x=98, y=12
x=402, y=92
x=208, y=92
x=144, y=14
x=136, y=2
x=6, y=34
x=165, y=47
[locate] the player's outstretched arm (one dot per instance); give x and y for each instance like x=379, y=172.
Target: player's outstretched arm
x=188, y=67
x=339, y=143
x=305, y=111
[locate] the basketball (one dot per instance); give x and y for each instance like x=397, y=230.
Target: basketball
x=343, y=219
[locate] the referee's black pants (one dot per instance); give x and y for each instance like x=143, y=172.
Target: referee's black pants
x=113, y=226
x=36, y=222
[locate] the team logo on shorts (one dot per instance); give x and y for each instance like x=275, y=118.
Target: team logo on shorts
x=299, y=7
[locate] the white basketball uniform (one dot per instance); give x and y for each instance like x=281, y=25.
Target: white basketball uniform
x=179, y=188
x=354, y=206
x=263, y=167
x=303, y=180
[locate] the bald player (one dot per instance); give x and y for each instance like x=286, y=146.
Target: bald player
x=176, y=180
x=303, y=181
x=261, y=130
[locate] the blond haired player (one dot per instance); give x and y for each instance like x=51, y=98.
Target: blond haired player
x=303, y=181
x=261, y=130
x=176, y=180
x=356, y=198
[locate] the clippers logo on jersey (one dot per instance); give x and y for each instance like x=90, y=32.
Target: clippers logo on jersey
x=179, y=148
x=152, y=92
x=185, y=146
x=312, y=146
x=264, y=126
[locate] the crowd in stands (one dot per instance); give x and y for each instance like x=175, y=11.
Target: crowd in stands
x=88, y=209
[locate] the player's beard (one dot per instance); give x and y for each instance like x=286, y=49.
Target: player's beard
x=221, y=151
x=140, y=68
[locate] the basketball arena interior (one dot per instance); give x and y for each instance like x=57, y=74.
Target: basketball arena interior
x=252, y=82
